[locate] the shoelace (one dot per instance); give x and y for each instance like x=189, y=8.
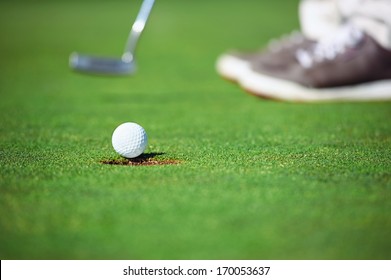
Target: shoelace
x=286, y=41
x=347, y=37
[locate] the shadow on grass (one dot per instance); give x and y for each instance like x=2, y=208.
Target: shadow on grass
x=143, y=159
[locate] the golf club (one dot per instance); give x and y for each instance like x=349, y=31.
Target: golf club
x=115, y=66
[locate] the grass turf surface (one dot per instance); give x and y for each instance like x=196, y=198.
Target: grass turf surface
x=257, y=179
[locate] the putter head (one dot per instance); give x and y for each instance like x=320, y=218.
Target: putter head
x=102, y=65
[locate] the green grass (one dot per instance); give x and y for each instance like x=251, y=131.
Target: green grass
x=257, y=180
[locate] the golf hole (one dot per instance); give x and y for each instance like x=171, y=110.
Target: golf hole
x=144, y=159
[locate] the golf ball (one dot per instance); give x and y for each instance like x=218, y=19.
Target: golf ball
x=129, y=140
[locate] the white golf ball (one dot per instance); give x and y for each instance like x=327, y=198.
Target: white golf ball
x=129, y=140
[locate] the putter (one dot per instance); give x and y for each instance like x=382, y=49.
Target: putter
x=115, y=66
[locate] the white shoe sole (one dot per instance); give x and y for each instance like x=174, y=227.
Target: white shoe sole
x=231, y=68
x=274, y=88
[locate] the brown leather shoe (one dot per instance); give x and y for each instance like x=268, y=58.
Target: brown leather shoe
x=232, y=65
x=350, y=66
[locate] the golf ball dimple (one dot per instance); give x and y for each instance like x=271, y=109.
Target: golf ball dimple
x=129, y=140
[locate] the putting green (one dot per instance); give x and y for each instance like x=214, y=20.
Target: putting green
x=253, y=179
